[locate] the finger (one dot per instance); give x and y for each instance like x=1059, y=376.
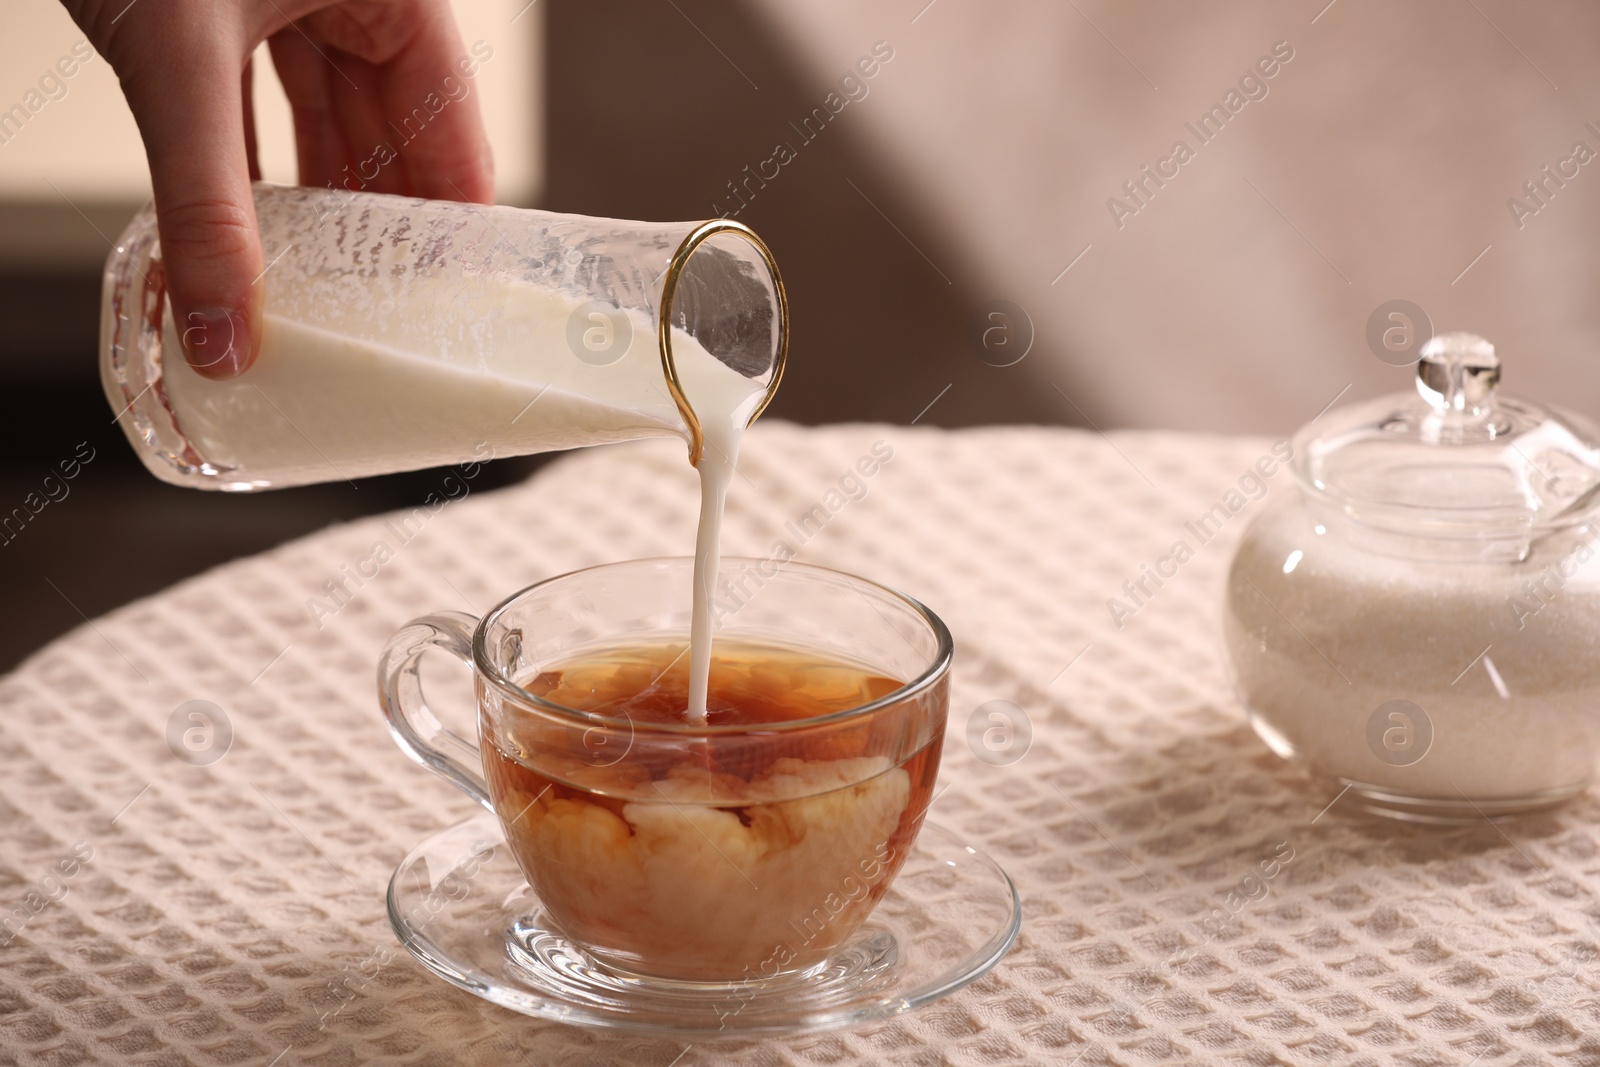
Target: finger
x=319, y=141
x=189, y=115
x=372, y=135
x=448, y=156
x=427, y=96
x=247, y=89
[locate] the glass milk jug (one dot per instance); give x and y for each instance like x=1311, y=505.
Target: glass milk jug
x=401, y=333
x=1419, y=621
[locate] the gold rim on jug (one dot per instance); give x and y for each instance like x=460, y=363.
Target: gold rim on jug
x=702, y=233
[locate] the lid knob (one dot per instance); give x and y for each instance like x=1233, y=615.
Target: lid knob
x=1457, y=373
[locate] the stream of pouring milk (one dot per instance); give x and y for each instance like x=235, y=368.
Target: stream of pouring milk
x=318, y=405
x=724, y=403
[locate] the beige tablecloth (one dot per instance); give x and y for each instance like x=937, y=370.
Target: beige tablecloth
x=157, y=912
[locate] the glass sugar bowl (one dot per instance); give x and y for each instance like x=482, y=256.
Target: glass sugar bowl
x=1420, y=622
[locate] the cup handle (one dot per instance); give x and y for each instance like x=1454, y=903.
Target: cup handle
x=416, y=729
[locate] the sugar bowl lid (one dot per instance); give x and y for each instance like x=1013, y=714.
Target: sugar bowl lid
x=1456, y=470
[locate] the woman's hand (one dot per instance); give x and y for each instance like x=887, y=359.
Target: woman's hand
x=349, y=68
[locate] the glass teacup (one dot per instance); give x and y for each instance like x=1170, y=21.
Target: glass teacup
x=739, y=850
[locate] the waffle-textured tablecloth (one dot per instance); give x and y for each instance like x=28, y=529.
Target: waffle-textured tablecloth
x=210, y=909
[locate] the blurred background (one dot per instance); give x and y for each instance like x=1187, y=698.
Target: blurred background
x=1437, y=152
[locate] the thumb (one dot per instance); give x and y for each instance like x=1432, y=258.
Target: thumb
x=191, y=117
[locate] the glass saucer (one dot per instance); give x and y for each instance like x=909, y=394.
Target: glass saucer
x=459, y=904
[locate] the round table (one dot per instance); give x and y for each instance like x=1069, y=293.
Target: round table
x=210, y=890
